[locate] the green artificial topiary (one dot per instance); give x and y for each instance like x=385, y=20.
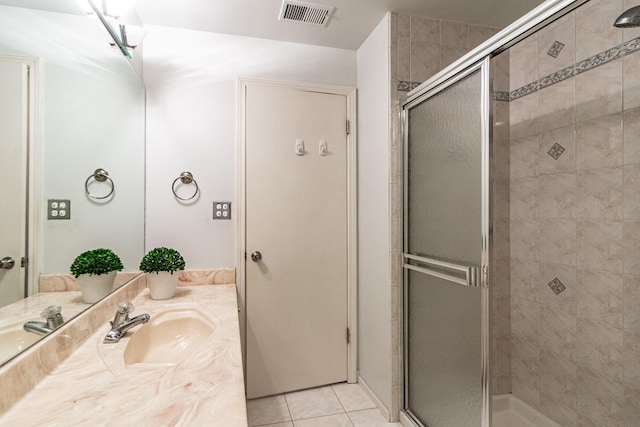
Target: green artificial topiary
x=96, y=262
x=162, y=259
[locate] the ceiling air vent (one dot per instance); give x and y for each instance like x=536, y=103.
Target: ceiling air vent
x=306, y=13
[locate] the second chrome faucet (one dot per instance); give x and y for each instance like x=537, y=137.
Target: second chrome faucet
x=121, y=322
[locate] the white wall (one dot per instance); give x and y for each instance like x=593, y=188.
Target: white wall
x=191, y=126
x=92, y=117
x=374, y=275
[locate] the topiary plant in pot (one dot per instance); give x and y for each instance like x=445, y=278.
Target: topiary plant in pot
x=95, y=270
x=160, y=264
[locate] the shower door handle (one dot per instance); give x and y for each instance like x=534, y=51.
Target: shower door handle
x=256, y=256
x=7, y=263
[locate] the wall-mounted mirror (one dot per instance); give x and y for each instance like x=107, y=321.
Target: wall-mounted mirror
x=70, y=103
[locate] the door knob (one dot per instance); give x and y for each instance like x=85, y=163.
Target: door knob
x=7, y=263
x=256, y=256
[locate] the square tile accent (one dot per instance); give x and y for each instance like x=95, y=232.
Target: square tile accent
x=556, y=151
x=556, y=286
x=555, y=49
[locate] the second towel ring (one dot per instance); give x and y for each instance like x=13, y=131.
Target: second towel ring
x=99, y=175
x=185, y=178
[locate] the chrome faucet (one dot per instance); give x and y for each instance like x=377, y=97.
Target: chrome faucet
x=53, y=314
x=121, y=322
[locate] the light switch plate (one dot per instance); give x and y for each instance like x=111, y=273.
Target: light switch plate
x=221, y=210
x=58, y=209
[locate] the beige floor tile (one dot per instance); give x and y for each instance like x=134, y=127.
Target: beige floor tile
x=287, y=424
x=339, y=420
x=267, y=410
x=315, y=402
x=352, y=397
x=369, y=418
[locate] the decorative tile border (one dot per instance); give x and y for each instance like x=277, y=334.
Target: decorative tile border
x=501, y=96
x=405, y=86
x=603, y=58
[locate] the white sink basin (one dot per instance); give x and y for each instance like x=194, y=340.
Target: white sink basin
x=13, y=339
x=169, y=337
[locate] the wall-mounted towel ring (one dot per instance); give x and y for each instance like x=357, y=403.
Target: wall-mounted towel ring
x=99, y=175
x=185, y=178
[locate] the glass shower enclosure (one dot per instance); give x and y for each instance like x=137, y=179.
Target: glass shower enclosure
x=446, y=252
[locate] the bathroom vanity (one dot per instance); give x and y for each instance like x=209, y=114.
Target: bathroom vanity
x=164, y=377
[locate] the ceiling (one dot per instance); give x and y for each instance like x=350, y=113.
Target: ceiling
x=350, y=25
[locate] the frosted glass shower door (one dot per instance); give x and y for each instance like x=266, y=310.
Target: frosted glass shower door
x=446, y=254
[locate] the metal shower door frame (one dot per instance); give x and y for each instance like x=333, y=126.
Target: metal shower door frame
x=486, y=232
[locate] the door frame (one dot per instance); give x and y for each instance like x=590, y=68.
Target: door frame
x=33, y=169
x=352, y=249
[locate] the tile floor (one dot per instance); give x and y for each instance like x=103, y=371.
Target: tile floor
x=337, y=405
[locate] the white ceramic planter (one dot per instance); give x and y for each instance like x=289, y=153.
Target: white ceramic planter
x=162, y=285
x=96, y=287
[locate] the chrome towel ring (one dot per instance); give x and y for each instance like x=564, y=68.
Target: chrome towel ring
x=99, y=175
x=185, y=178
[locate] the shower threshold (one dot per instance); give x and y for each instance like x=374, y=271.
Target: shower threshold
x=509, y=411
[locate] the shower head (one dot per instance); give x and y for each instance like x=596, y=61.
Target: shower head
x=630, y=18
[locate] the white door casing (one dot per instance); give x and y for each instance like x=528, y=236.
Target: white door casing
x=19, y=174
x=13, y=132
x=297, y=211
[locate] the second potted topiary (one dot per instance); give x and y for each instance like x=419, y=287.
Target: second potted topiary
x=95, y=270
x=160, y=264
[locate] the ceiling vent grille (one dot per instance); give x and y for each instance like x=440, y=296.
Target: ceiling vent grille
x=306, y=13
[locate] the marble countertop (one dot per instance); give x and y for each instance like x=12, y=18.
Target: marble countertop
x=204, y=390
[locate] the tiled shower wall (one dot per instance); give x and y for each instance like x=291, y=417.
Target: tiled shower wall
x=420, y=47
x=575, y=220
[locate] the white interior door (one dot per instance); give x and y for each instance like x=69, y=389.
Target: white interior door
x=296, y=218
x=13, y=173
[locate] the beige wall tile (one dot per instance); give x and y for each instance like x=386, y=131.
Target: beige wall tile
x=501, y=278
x=479, y=34
x=500, y=70
x=565, y=137
x=524, y=279
x=630, y=33
x=599, y=193
x=523, y=67
x=524, y=239
x=600, y=296
x=565, y=301
x=425, y=29
x=501, y=198
x=599, y=91
x=558, y=379
x=558, y=334
x=525, y=390
x=524, y=320
x=632, y=360
x=563, y=32
x=525, y=359
x=632, y=248
x=599, y=245
x=523, y=116
x=425, y=60
x=632, y=192
x=403, y=60
x=454, y=34
x=404, y=27
x=594, y=30
x=558, y=241
x=632, y=304
x=557, y=196
x=449, y=54
x=631, y=132
x=599, y=399
x=523, y=156
x=599, y=142
x=524, y=197
x=631, y=407
x=556, y=106
x=631, y=80
x=502, y=244
x=563, y=415
x=599, y=347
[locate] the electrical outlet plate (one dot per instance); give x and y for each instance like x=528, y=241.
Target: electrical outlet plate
x=221, y=210
x=59, y=209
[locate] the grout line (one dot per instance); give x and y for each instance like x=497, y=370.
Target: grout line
x=288, y=409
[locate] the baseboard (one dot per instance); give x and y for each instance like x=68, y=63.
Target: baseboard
x=406, y=421
x=383, y=409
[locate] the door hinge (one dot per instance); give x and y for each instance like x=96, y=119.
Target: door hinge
x=348, y=127
x=24, y=261
x=348, y=336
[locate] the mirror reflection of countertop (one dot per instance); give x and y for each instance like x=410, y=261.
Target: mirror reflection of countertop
x=206, y=389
